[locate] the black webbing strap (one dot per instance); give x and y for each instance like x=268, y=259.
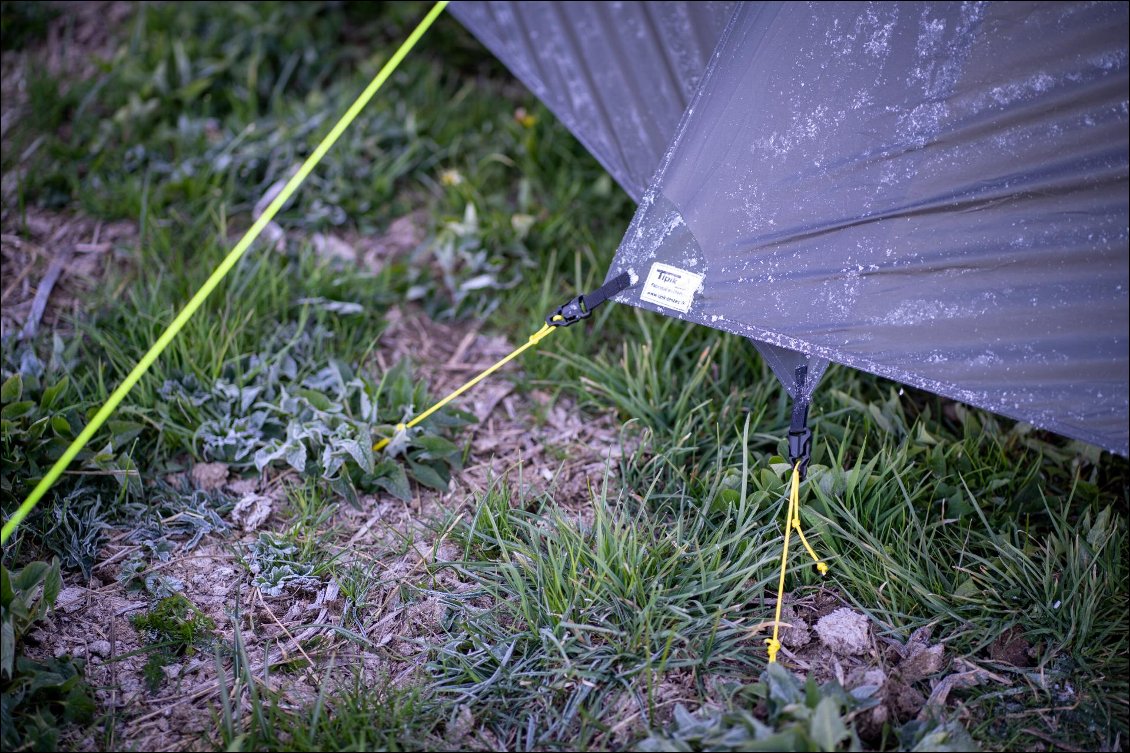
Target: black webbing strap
x=800, y=436
x=582, y=306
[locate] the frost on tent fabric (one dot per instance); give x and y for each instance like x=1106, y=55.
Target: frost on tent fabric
x=909, y=190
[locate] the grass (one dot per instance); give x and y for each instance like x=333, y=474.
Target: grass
x=560, y=631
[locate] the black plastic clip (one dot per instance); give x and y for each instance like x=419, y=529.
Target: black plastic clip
x=800, y=436
x=582, y=306
x=570, y=313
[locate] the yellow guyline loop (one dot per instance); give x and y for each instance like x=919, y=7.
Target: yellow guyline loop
x=823, y=568
x=792, y=521
x=533, y=340
x=218, y=275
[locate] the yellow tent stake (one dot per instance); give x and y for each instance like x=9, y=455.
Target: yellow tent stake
x=535, y=338
x=221, y=271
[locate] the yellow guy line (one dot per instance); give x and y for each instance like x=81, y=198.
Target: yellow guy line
x=221, y=271
x=792, y=520
x=534, y=340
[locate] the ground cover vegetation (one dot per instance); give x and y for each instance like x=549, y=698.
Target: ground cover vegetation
x=583, y=555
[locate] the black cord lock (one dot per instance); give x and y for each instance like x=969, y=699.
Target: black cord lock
x=800, y=436
x=582, y=306
x=570, y=313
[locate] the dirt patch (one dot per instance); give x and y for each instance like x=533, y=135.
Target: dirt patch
x=51, y=262
x=1011, y=647
x=294, y=632
x=94, y=623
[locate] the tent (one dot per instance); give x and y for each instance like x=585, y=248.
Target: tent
x=933, y=192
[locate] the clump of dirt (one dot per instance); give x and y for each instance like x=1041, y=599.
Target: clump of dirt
x=209, y=476
x=795, y=632
x=845, y=632
x=252, y=511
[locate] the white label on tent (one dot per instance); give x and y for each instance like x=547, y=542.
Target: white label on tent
x=670, y=287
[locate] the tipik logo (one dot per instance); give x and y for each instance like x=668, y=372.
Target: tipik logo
x=667, y=277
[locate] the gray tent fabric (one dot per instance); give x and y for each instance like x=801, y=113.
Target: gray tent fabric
x=619, y=76
x=936, y=193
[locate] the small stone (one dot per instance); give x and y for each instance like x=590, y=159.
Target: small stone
x=99, y=648
x=70, y=599
x=845, y=632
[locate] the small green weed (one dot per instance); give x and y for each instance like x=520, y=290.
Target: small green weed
x=174, y=627
x=42, y=412
x=177, y=621
x=277, y=565
x=318, y=422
